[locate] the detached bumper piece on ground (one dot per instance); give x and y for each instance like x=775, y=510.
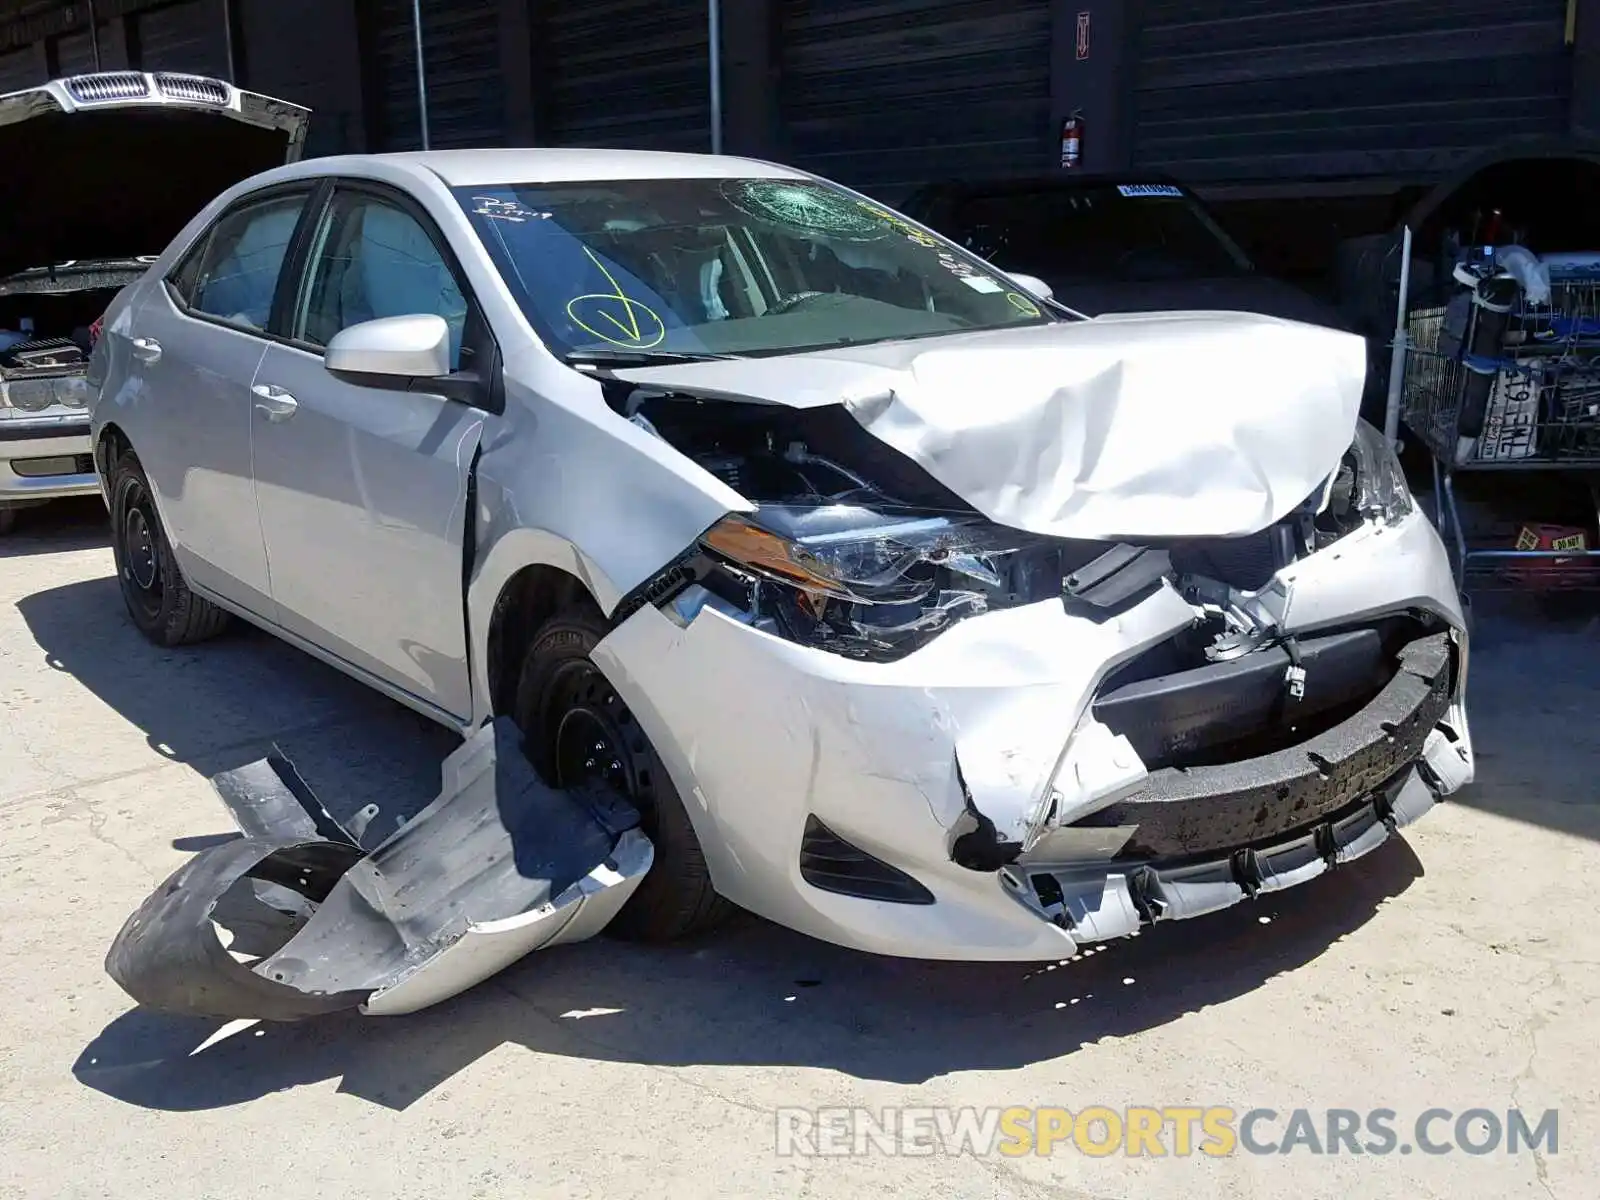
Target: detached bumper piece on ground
x=296, y=919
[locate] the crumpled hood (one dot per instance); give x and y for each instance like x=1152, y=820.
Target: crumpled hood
x=1160, y=426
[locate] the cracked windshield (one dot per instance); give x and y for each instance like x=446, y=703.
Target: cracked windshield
x=706, y=267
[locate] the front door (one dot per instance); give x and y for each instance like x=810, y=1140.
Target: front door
x=362, y=491
x=196, y=343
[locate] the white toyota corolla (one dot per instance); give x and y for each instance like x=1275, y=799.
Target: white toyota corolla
x=908, y=608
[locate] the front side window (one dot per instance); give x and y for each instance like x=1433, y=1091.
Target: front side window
x=233, y=274
x=729, y=266
x=371, y=259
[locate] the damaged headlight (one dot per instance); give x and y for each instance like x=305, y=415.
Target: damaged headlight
x=1369, y=484
x=874, y=585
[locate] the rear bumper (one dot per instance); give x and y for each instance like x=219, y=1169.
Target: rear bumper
x=45, y=460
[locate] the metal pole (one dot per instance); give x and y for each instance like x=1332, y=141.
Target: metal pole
x=422, y=74
x=227, y=37
x=94, y=34
x=714, y=22
x=1397, y=360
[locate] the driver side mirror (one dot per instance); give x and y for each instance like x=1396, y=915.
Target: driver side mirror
x=1034, y=285
x=405, y=354
x=412, y=347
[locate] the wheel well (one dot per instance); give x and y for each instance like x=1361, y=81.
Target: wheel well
x=530, y=598
x=109, y=448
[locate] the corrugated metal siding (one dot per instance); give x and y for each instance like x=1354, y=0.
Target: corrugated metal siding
x=632, y=73
x=462, y=48
x=75, y=53
x=19, y=69
x=886, y=94
x=184, y=37
x=1263, y=89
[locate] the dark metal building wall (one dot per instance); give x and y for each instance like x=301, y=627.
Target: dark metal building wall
x=19, y=68
x=885, y=94
x=1305, y=89
x=323, y=73
x=183, y=37
x=629, y=73
x=465, y=100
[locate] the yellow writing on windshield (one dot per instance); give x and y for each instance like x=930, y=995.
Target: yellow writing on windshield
x=1022, y=304
x=616, y=317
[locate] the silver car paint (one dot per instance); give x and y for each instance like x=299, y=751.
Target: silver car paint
x=870, y=748
x=192, y=378
x=546, y=476
x=361, y=496
x=1171, y=425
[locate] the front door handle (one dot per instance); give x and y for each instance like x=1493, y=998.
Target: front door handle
x=275, y=403
x=146, y=350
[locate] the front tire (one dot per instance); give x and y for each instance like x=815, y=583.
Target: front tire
x=158, y=599
x=576, y=728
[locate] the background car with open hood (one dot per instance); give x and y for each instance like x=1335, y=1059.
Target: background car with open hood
x=100, y=169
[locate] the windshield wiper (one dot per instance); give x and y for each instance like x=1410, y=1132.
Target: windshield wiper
x=601, y=357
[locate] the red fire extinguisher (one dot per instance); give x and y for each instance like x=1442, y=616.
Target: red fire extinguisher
x=1072, y=141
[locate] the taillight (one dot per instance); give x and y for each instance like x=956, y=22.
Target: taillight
x=95, y=331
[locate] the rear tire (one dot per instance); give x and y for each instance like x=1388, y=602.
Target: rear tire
x=8, y=520
x=576, y=727
x=153, y=588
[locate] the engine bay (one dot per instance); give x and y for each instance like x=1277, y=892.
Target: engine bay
x=856, y=549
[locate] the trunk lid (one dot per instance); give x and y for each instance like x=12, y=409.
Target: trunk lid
x=114, y=165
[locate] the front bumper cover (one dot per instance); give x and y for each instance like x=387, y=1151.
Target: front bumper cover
x=1098, y=904
x=22, y=440
x=1199, y=810
x=911, y=763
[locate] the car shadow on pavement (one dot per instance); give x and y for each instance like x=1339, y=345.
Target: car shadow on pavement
x=227, y=702
x=57, y=528
x=757, y=995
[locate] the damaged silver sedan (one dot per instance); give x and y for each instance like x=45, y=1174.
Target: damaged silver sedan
x=902, y=605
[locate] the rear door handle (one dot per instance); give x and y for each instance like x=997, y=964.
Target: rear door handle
x=146, y=350
x=275, y=403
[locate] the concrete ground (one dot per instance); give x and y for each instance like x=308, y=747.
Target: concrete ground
x=1455, y=969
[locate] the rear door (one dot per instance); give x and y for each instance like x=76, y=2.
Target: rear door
x=362, y=490
x=195, y=345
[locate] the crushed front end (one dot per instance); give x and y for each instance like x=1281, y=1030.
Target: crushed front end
x=913, y=731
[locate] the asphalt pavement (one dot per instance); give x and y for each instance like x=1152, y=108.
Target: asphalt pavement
x=1454, y=969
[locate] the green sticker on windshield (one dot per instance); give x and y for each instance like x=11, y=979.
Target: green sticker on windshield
x=805, y=206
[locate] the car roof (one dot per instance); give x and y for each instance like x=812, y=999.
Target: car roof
x=480, y=168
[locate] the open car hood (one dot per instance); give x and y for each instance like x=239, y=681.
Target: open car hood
x=114, y=165
x=1169, y=425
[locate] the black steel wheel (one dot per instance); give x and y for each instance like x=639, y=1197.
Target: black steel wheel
x=153, y=588
x=578, y=730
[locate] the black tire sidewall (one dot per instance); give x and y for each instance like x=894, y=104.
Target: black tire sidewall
x=154, y=621
x=658, y=909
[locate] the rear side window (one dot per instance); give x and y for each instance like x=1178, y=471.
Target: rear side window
x=232, y=275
